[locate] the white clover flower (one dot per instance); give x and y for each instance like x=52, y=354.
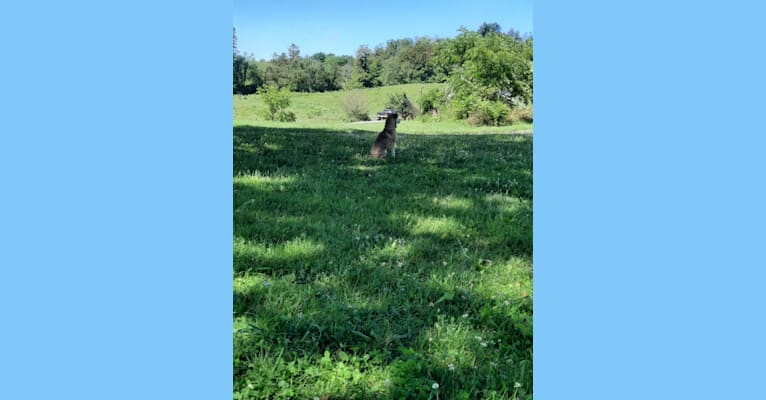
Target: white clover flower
x=451, y=367
x=477, y=338
x=465, y=315
x=483, y=344
x=250, y=386
x=387, y=382
x=507, y=303
x=435, y=386
x=316, y=398
x=517, y=385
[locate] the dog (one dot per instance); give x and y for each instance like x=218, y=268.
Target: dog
x=387, y=139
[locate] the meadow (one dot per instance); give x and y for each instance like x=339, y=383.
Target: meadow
x=326, y=111
x=406, y=278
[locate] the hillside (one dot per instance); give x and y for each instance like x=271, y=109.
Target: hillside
x=326, y=106
x=325, y=110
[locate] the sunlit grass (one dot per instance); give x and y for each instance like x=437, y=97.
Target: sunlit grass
x=326, y=111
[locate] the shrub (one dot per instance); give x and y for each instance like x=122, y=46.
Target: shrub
x=463, y=106
x=402, y=105
x=489, y=113
x=277, y=100
x=432, y=100
x=522, y=113
x=355, y=104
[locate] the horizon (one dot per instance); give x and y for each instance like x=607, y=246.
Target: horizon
x=267, y=29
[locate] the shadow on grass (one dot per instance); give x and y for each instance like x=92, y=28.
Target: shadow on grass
x=365, y=257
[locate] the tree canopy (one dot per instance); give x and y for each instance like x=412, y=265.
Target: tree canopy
x=487, y=72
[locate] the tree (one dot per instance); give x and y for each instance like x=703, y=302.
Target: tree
x=235, y=42
x=247, y=78
x=293, y=52
x=402, y=105
x=277, y=100
x=486, y=28
x=276, y=71
x=487, y=75
x=367, y=69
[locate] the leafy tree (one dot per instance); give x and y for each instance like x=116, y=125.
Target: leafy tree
x=485, y=28
x=396, y=71
x=367, y=69
x=277, y=100
x=402, y=105
x=293, y=52
x=487, y=75
x=431, y=100
x=516, y=35
x=483, y=65
x=276, y=71
x=419, y=59
x=247, y=78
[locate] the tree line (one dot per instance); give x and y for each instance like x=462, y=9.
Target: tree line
x=488, y=72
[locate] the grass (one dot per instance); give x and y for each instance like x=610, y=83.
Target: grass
x=326, y=107
x=326, y=111
x=363, y=279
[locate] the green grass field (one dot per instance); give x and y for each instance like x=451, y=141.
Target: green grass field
x=325, y=110
x=408, y=278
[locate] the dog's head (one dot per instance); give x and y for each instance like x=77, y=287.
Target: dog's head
x=391, y=120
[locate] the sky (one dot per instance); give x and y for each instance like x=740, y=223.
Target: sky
x=341, y=26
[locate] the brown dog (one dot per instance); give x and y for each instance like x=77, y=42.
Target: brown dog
x=387, y=139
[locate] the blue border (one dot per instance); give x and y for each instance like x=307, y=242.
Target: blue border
x=115, y=274
x=116, y=220
x=649, y=199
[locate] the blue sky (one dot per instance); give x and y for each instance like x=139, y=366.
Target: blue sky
x=266, y=27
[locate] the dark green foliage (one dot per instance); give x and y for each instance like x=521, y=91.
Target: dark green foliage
x=247, y=79
x=401, y=104
x=367, y=69
x=489, y=112
x=486, y=28
x=432, y=99
x=485, y=71
x=482, y=68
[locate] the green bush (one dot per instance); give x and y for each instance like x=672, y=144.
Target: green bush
x=432, y=100
x=355, y=105
x=489, y=113
x=402, y=105
x=277, y=100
